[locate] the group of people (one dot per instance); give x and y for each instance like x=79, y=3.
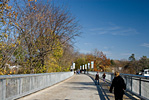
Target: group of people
x=77, y=72
x=117, y=83
x=97, y=78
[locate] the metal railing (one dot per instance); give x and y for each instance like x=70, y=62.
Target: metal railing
x=16, y=86
x=135, y=84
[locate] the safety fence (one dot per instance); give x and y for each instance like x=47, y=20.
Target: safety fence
x=135, y=84
x=16, y=86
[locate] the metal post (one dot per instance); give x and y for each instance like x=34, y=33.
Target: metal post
x=131, y=84
x=126, y=82
x=140, y=86
x=4, y=83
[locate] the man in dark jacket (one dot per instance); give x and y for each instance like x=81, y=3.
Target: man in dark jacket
x=97, y=79
x=119, y=86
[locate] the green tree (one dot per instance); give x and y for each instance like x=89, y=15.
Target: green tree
x=143, y=63
x=132, y=57
x=133, y=64
x=112, y=62
x=80, y=61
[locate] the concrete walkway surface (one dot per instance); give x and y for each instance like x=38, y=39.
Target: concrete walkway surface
x=78, y=87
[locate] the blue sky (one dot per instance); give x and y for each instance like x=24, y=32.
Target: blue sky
x=116, y=27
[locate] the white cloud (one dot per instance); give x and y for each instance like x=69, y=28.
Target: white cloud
x=96, y=29
x=108, y=53
x=114, y=30
x=88, y=44
x=126, y=54
x=108, y=48
x=145, y=45
x=84, y=51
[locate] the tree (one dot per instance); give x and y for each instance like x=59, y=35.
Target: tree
x=12, y=31
x=100, y=60
x=105, y=62
x=132, y=57
x=40, y=30
x=143, y=63
x=80, y=61
x=112, y=62
x=68, y=56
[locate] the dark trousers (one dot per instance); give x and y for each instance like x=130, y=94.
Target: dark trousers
x=119, y=97
x=97, y=82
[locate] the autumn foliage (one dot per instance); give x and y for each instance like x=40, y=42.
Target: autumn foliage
x=101, y=62
x=36, y=36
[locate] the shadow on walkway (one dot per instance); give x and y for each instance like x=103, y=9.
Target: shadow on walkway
x=101, y=93
x=82, y=83
x=104, y=92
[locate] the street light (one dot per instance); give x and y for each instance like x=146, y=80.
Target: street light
x=92, y=64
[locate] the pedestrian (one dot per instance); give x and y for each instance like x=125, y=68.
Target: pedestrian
x=119, y=86
x=79, y=71
x=104, y=76
x=97, y=79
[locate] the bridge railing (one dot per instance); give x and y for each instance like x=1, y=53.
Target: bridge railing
x=136, y=84
x=16, y=86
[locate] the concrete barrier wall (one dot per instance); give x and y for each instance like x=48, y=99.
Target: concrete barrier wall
x=16, y=86
x=136, y=84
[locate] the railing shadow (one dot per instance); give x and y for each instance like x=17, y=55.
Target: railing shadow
x=106, y=90
x=127, y=94
x=100, y=92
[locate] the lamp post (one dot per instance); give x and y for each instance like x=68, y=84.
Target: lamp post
x=92, y=64
x=85, y=68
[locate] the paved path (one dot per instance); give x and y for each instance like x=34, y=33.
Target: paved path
x=78, y=87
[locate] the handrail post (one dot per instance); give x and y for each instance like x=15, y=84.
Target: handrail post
x=140, y=86
x=4, y=89
x=131, y=83
x=126, y=81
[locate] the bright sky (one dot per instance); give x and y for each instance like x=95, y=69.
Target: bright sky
x=116, y=27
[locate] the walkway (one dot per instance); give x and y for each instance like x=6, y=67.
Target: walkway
x=78, y=87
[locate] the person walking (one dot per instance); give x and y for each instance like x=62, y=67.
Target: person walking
x=119, y=86
x=97, y=79
x=104, y=76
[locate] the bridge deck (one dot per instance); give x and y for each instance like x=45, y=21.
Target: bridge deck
x=78, y=87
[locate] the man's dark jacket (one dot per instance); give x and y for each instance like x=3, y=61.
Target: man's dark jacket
x=97, y=77
x=119, y=86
